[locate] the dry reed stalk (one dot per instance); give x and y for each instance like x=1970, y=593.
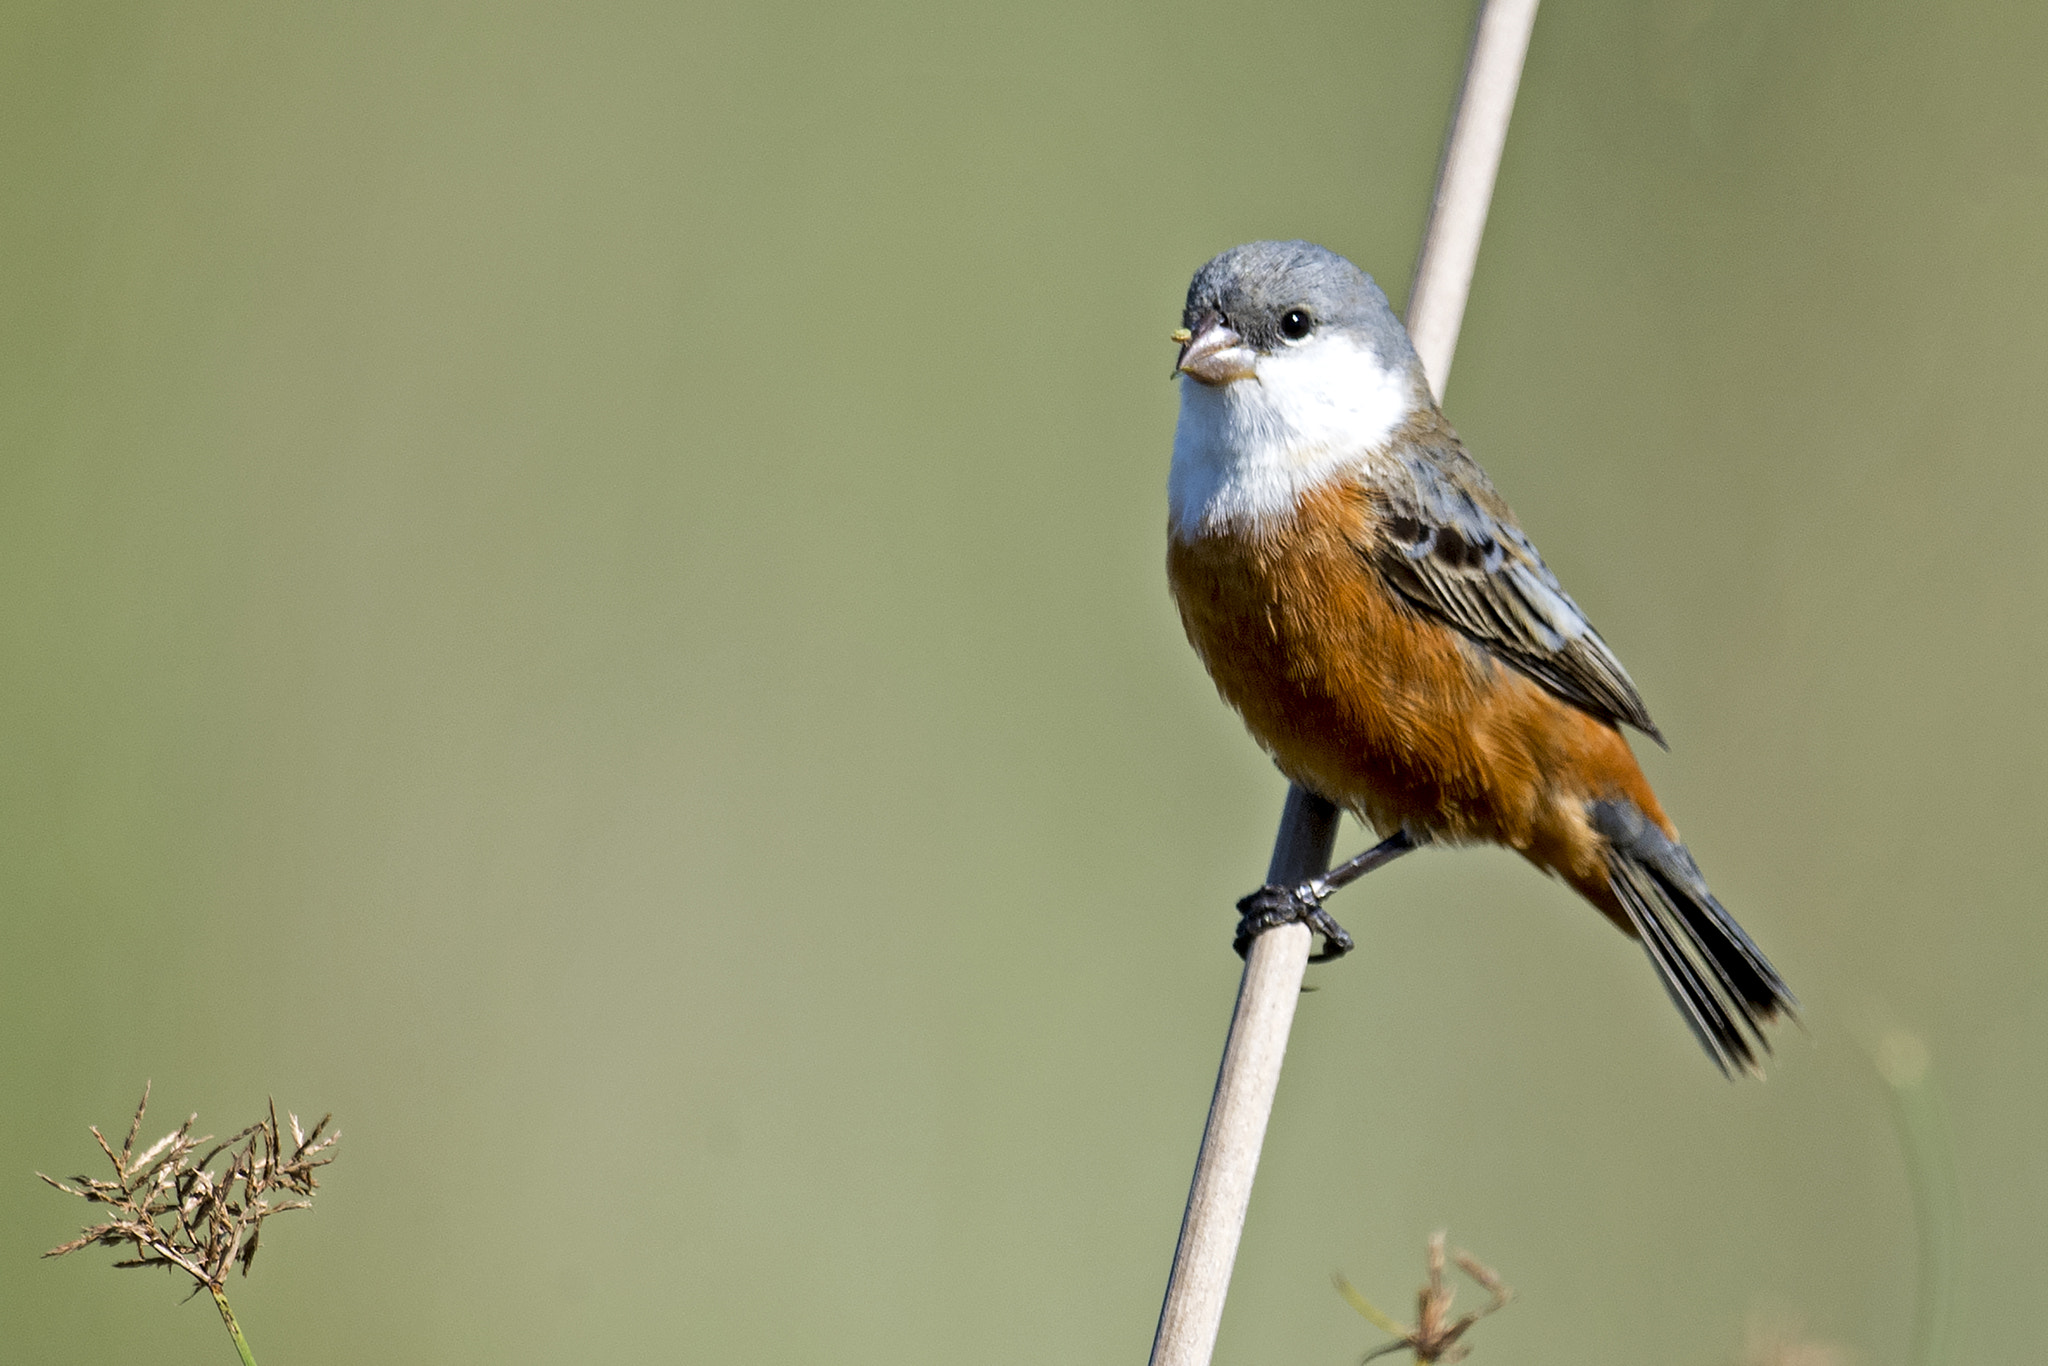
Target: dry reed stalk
x=1220, y=1193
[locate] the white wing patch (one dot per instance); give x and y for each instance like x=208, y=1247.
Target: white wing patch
x=1245, y=453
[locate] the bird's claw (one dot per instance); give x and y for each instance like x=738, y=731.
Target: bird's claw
x=1301, y=904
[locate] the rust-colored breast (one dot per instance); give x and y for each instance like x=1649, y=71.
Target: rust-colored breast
x=1389, y=713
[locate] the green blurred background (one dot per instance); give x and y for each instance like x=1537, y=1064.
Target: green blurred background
x=582, y=586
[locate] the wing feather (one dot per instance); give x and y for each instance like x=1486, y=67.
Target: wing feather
x=1448, y=544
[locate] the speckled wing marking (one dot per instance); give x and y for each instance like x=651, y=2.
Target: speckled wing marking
x=1451, y=548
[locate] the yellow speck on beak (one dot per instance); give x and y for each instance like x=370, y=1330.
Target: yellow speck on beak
x=1181, y=335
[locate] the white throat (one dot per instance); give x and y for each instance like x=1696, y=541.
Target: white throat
x=1245, y=453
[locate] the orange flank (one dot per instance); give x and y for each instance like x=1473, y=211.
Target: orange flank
x=1388, y=713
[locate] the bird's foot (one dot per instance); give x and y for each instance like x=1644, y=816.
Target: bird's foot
x=1302, y=904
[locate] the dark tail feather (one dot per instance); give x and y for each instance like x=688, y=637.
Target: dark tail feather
x=1720, y=982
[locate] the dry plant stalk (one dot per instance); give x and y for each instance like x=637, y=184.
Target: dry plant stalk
x=1435, y=1336
x=201, y=1214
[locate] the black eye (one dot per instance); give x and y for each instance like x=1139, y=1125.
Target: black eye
x=1295, y=324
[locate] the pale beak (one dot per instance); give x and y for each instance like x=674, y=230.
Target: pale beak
x=1214, y=354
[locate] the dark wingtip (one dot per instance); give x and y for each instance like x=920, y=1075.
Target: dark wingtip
x=1639, y=717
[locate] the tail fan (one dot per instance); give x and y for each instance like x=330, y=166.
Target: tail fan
x=1719, y=980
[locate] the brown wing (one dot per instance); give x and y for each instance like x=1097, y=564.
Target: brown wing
x=1450, y=547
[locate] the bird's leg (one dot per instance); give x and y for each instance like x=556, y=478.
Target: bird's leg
x=1302, y=903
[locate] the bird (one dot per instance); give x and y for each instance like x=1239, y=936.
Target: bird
x=1366, y=601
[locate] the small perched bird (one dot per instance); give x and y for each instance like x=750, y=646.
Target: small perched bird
x=1366, y=601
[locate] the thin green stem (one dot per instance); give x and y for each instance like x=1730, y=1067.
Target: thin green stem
x=227, y=1316
x=1903, y=1060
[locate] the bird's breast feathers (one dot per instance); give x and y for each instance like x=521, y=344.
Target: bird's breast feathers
x=1362, y=596
x=1244, y=454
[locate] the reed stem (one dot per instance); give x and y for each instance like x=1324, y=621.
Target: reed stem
x=1249, y=1077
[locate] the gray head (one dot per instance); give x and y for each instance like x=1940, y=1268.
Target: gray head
x=1294, y=372
x=1265, y=297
